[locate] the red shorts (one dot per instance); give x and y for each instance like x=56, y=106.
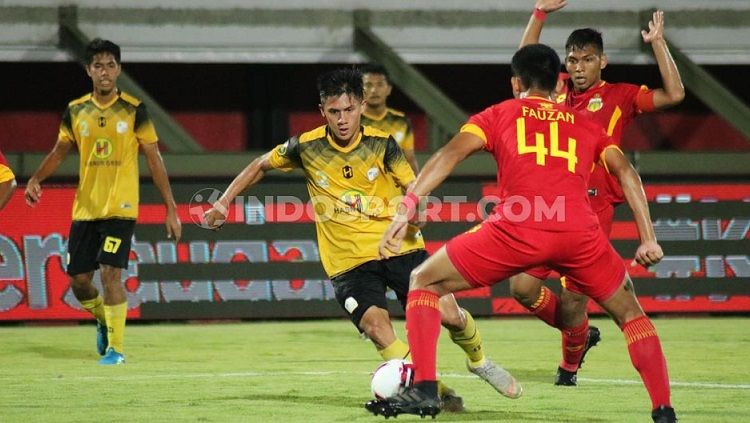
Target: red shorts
x=606, y=216
x=496, y=251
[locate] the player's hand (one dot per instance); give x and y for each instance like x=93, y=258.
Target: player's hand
x=550, y=6
x=390, y=244
x=33, y=192
x=648, y=254
x=655, y=28
x=214, y=217
x=174, y=226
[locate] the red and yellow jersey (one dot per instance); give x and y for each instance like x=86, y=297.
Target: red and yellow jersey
x=393, y=122
x=6, y=174
x=613, y=107
x=544, y=152
x=354, y=192
x=107, y=137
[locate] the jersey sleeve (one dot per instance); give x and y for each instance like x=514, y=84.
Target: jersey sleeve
x=480, y=125
x=604, y=143
x=286, y=156
x=644, y=100
x=65, y=133
x=395, y=163
x=144, y=126
x=6, y=174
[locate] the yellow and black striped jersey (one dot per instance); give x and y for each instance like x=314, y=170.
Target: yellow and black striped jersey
x=354, y=192
x=393, y=122
x=107, y=137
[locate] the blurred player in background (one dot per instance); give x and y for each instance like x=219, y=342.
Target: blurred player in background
x=544, y=153
x=378, y=115
x=7, y=181
x=107, y=127
x=350, y=171
x=612, y=106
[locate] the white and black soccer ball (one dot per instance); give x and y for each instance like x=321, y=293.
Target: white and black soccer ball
x=392, y=378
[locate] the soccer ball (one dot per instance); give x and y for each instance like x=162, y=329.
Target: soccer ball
x=392, y=378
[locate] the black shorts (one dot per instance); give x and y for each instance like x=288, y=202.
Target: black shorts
x=365, y=285
x=94, y=242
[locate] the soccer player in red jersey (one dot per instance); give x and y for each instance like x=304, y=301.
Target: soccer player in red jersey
x=7, y=181
x=544, y=152
x=612, y=106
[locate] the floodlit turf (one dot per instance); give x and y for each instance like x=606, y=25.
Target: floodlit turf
x=318, y=371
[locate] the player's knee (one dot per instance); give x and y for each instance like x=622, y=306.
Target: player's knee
x=418, y=278
x=525, y=293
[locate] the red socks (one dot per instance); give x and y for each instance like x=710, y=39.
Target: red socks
x=422, y=330
x=648, y=358
x=573, y=345
x=545, y=307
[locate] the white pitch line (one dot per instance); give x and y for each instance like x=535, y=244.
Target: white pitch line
x=702, y=385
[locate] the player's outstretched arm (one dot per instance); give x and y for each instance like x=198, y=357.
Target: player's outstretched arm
x=649, y=252
x=536, y=21
x=50, y=163
x=161, y=180
x=673, y=92
x=251, y=175
x=433, y=174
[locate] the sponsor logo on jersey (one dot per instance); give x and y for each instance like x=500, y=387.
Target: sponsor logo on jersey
x=321, y=179
x=372, y=173
x=354, y=200
x=102, y=148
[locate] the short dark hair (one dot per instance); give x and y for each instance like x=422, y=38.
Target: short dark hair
x=537, y=65
x=375, y=69
x=340, y=81
x=580, y=38
x=98, y=46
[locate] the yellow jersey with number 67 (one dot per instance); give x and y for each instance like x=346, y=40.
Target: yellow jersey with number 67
x=107, y=137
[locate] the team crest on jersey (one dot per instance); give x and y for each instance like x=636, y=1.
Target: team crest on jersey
x=122, y=127
x=372, y=173
x=321, y=179
x=282, y=148
x=399, y=136
x=102, y=148
x=595, y=104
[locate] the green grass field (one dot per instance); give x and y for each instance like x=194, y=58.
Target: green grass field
x=318, y=371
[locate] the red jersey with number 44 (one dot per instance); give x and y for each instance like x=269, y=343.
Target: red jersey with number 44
x=544, y=153
x=613, y=106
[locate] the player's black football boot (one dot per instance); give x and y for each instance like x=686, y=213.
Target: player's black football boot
x=413, y=401
x=566, y=378
x=664, y=414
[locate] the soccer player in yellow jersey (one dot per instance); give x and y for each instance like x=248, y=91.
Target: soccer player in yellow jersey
x=107, y=127
x=378, y=115
x=7, y=181
x=350, y=171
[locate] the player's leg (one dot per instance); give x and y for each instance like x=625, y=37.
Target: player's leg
x=528, y=290
x=644, y=348
x=113, y=256
x=82, y=251
x=577, y=336
x=397, y=272
x=361, y=293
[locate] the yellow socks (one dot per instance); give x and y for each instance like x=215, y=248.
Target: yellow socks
x=470, y=341
x=398, y=349
x=116, y=315
x=95, y=306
